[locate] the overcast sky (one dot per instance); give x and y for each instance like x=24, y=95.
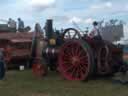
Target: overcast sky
x=83, y=12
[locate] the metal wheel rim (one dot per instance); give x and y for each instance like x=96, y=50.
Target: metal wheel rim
x=77, y=33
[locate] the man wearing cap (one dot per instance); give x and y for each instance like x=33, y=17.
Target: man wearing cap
x=95, y=32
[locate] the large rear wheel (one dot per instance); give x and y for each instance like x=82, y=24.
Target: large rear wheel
x=76, y=60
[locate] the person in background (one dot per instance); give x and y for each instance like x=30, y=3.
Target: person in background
x=38, y=28
x=12, y=25
x=27, y=29
x=20, y=25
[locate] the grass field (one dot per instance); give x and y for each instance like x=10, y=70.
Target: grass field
x=23, y=83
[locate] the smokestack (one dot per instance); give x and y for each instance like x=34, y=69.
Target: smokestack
x=49, y=28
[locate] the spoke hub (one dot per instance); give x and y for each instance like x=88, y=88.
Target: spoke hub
x=75, y=60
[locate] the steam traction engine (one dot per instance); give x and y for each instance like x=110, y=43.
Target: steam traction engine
x=78, y=57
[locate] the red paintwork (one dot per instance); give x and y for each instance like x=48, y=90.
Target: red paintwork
x=38, y=70
x=17, y=45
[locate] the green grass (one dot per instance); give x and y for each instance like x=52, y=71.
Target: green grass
x=23, y=83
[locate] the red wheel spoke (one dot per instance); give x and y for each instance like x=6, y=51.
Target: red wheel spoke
x=69, y=68
x=79, y=73
x=82, y=70
x=67, y=64
x=72, y=52
x=73, y=71
x=77, y=49
x=68, y=53
x=80, y=52
x=84, y=65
